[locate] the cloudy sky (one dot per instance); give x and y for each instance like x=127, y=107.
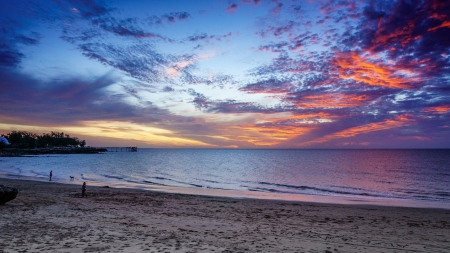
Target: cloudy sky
x=228, y=74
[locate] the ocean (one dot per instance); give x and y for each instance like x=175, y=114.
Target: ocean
x=391, y=176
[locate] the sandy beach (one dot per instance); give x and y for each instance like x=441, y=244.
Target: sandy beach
x=53, y=217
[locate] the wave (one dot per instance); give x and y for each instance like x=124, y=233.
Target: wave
x=442, y=194
x=172, y=180
x=115, y=177
x=196, y=185
x=310, y=190
x=39, y=174
x=402, y=193
x=151, y=182
x=302, y=187
x=211, y=181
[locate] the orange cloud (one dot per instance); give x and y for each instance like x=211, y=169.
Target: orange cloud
x=438, y=109
x=258, y=142
x=352, y=66
x=279, y=132
x=274, y=131
x=337, y=100
x=372, y=127
x=445, y=24
x=402, y=34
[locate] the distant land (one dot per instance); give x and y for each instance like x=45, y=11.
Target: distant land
x=13, y=152
x=21, y=143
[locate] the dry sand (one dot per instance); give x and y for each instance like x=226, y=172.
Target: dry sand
x=52, y=217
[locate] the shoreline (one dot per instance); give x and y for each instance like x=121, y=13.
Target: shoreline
x=24, y=152
x=50, y=216
x=318, y=199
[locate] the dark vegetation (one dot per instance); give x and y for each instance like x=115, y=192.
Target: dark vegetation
x=22, y=139
x=26, y=143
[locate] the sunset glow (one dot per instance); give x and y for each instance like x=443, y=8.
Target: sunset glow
x=229, y=74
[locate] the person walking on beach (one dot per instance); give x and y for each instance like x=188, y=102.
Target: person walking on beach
x=83, y=190
x=51, y=174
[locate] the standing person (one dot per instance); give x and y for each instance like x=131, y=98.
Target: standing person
x=51, y=174
x=83, y=190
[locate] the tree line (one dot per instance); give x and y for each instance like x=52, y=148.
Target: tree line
x=23, y=139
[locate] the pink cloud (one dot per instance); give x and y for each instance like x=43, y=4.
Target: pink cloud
x=277, y=9
x=232, y=8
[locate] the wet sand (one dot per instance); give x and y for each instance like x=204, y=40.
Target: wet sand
x=53, y=217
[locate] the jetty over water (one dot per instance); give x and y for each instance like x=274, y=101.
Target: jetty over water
x=121, y=149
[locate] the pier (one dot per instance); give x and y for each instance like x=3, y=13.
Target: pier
x=121, y=149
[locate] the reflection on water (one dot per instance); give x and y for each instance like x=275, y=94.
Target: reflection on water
x=407, y=174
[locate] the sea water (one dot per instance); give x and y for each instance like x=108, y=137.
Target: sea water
x=413, y=175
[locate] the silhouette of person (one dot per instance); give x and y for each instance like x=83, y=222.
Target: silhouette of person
x=51, y=174
x=83, y=190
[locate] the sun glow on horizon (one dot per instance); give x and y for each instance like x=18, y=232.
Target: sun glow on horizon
x=218, y=74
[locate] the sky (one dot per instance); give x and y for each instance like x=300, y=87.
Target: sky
x=228, y=74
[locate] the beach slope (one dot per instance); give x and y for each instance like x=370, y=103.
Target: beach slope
x=52, y=217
